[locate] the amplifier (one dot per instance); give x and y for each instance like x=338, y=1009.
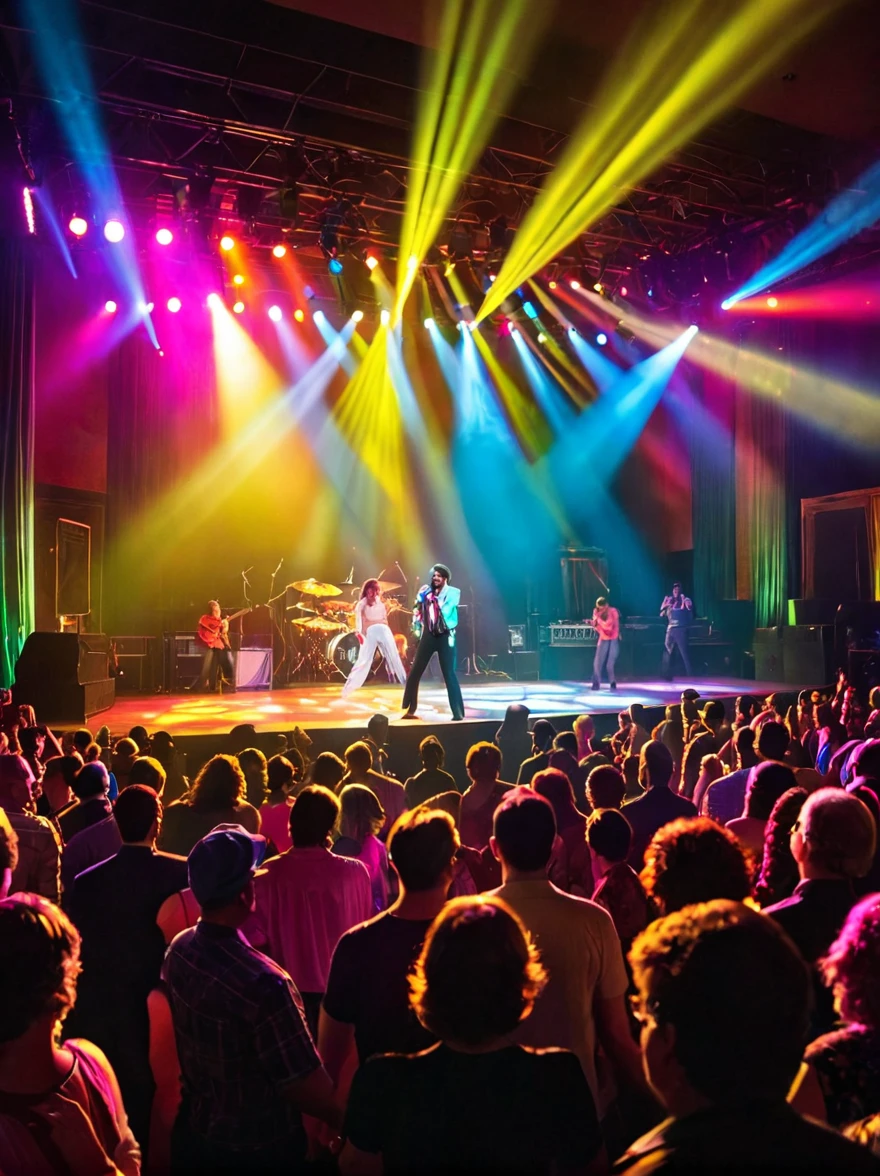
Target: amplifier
x=569, y=635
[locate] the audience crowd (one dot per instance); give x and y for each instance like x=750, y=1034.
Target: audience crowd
x=657, y=951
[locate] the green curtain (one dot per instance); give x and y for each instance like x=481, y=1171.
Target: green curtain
x=16, y=451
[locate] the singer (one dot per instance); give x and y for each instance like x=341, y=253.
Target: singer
x=435, y=619
x=679, y=612
x=371, y=626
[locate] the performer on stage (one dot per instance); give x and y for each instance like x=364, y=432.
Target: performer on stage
x=606, y=622
x=217, y=662
x=435, y=619
x=371, y=626
x=679, y=612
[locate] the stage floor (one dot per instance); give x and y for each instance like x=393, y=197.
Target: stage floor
x=316, y=705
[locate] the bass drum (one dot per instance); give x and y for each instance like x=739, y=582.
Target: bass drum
x=343, y=650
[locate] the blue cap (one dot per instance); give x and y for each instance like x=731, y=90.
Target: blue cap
x=223, y=862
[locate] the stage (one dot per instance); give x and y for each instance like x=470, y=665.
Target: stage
x=317, y=706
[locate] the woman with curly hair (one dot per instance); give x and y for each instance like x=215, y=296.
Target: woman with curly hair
x=694, y=860
x=779, y=872
x=473, y=1102
x=60, y=1106
x=217, y=797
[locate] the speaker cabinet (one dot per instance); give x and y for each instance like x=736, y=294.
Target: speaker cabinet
x=253, y=669
x=809, y=655
x=769, y=655
x=526, y=666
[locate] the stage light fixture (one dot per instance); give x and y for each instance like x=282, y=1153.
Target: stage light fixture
x=78, y=225
x=299, y=315
x=227, y=243
x=598, y=287
x=146, y=307
x=238, y=308
x=385, y=317
x=575, y=284
x=164, y=236
x=371, y=262
x=174, y=305
x=725, y=305
x=552, y=285
x=772, y=302
x=542, y=338
x=601, y=338
x=318, y=316
x=334, y=265
x=429, y=322
x=274, y=313
x=28, y=200
x=114, y=231
x=623, y=291
x=238, y=279
x=356, y=316
x=110, y=306
x=214, y=301
x=279, y=250
x=492, y=277
x=529, y=308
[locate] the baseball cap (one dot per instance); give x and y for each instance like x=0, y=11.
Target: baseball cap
x=223, y=862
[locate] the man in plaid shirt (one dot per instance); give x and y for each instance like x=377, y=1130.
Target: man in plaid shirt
x=248, y=1065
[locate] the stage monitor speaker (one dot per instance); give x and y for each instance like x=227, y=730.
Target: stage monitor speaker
x=809, y=655
x=567, y=663
x=253, y=669
x=769, y=655
x=812, y=612
x=526, y=666
x=64, y=677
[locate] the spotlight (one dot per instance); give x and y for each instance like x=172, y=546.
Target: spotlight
x=552, y=285
x=334, y=265
x=227, y=243
x=174, y=305
x=238, y=308
x=429, y=322
x=542, y=338
x=412, y=264
x=772, y=302
x=318, y=316
x=110, y=306
x=530, y=310
x=274, y=313
x=385, y=317
x=299, y=315
x=623, y=291
x=279, y=250
x=492, y=277
x=575, y=284
x=28, y=201
x=357, y=315
x=601, y=338
x=164, y=236
x=725, y=305
x=79, y=226
x=114, y=231
x=371, y=262
x=214, y=301
x=146, y=307
x=598, y=287
x=238, y=279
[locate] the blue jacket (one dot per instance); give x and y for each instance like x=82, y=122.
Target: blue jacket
x=448, y=598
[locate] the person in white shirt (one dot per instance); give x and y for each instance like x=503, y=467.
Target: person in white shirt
x=371, y=625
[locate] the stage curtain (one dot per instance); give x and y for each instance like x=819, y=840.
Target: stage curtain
x=874, y=542
x=711, y=445
x=16, y=450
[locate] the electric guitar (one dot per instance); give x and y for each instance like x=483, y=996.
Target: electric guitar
x=213, y=629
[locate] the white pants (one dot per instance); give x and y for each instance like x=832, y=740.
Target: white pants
x=378, y=637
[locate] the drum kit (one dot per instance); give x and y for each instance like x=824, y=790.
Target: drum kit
x=324, y=622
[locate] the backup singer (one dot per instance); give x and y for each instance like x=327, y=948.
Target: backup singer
x=679, y=612
x=606, y=622
x=371, y=626
x=217, y=664
x=435, y=619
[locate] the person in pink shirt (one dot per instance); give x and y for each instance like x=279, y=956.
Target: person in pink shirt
x=361, y=820
x=606, y=622
x=283, y=775
x=309, y=897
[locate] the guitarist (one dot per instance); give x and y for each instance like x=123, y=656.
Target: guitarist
x=217, y=663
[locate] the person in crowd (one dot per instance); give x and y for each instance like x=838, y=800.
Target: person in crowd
x=275, y=813
x=779, y=871
x=671, y=733
x=91, y=786
x=366, y=1007
x=253, y=763
x=32, y=744
x=723, y=999
x=844, y=1080
x=712, y=768
x=249, y=1070
x=543, y=734
x=147, y=770
x=77, y=741
x=327, y=770
x=471, y=873
x=694, y=860
x=362, y=819
x=114, y=906
x=658, y=806
x=571, y=827
x=707, y=739
x=241, y=736
x=868, y=793
x=767, y=782
x=141, y=737
x=217, y=798
x=632, y=776
x=431, y=780
x=564, y=757
x=86, y=848
x=483, y=795
x=59, y=773
x=725, y=799
x=125, y=752
x=514, y=740
x=618, y=888
x=376, y=739
x=359, y=770
x=473, y=1102
x=174, y=762
x=620, y=738
x=585, y=733
x=690, y=712
x=605, y=787
x=584, y=997
x=38, y=868
x=60, y=1105
x=308, y=897
x=637, y=732
x=8, y=854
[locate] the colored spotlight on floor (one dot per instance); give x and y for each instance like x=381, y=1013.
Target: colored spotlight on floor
x=110, y=306
x=279, y=250
x=385, y=318
x=356, y=316
x=299, y=315
x=429, y=322
x=334, y=265
x=274, y=313
x=238, y=308
x=227, y=243
x=78, y=225
x=601, y=338
x=772, y=302
x=114, y=231
x=164, y=236
x=174, y=305
x=371, y=262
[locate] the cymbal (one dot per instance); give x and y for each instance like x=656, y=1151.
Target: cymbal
x=313, y=587
x=322, y=624
x=302, y=608
x=338, y=605
x=387, y=586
